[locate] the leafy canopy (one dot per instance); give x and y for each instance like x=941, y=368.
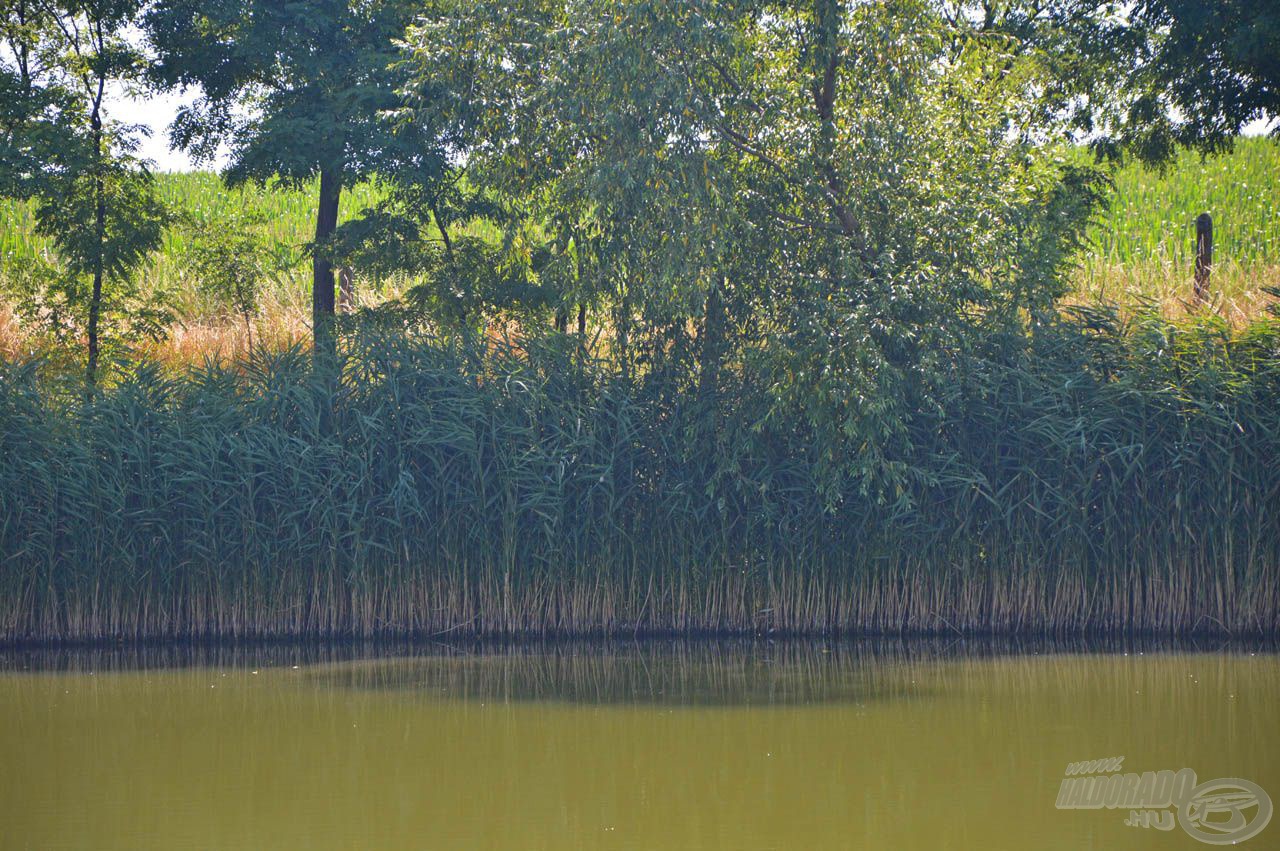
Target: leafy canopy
x=862, y=189
x=291, y=88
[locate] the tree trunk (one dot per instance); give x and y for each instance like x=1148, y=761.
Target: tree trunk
x=443, y=226
x=711, y=350
x=322, y=284
x=828, y=15
x=100, y=238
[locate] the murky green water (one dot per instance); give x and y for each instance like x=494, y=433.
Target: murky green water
x=653, y=746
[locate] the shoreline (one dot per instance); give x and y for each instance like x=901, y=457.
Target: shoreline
x=121, y=656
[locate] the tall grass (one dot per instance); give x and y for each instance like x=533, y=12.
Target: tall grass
x=286, y=223
x=1142, y=249
x=1109, y=478
x=287, y=214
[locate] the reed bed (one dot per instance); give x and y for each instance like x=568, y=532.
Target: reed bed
x=1109, y=478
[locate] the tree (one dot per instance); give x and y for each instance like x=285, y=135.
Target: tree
x=298, y=91
x=94, y=200
x=1150, y=76
x=1210, y=68
x=32, y=99
x=231, y=262
x=845, y=201
x=553, y=136
x=482, y=252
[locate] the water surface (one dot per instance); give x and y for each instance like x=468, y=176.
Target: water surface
x=633, y=746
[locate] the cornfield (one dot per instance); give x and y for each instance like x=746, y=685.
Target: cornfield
x=1152, y=215
x=1142, y=248
x=285, y=220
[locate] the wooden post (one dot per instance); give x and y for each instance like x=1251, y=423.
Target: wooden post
x=1204, y=255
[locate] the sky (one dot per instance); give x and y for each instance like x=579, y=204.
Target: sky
x=156, y=111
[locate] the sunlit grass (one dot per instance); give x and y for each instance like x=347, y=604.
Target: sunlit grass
x=1236, y=291
x=1142, y=250
x=286, y=224
x=1152, y=215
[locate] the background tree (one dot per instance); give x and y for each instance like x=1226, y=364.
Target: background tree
x=484, y=253
x=32, y=97
x=231, y=262
x=557, y=140
x=1150, y=76
x=1208, y=69
x=94, y=200
x=841, y=202
x=297, y=91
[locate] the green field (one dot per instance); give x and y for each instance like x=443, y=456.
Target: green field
x=199, y=198
x=1141, y=248
x=1152, y=215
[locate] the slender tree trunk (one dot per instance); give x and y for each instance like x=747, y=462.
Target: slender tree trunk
x=100, y=237
x=826, y=58
x=322, y=283
x=22, y=52
x=582, y=322
x=622, y=326
x=711, y=350
x=443, y=227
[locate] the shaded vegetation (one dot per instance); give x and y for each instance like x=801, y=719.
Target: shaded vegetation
x=1106, y=478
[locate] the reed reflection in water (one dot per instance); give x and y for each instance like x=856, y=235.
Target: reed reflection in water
x=653, y=745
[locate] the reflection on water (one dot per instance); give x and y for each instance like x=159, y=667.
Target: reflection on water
x=737, y=745
x=672, y=675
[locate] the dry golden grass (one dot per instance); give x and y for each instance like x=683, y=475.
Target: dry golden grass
x=1237, y=291
x=1238, y=294
x=277, y=325
x=11, y=336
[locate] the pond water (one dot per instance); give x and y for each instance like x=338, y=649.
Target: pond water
x=655, y=745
